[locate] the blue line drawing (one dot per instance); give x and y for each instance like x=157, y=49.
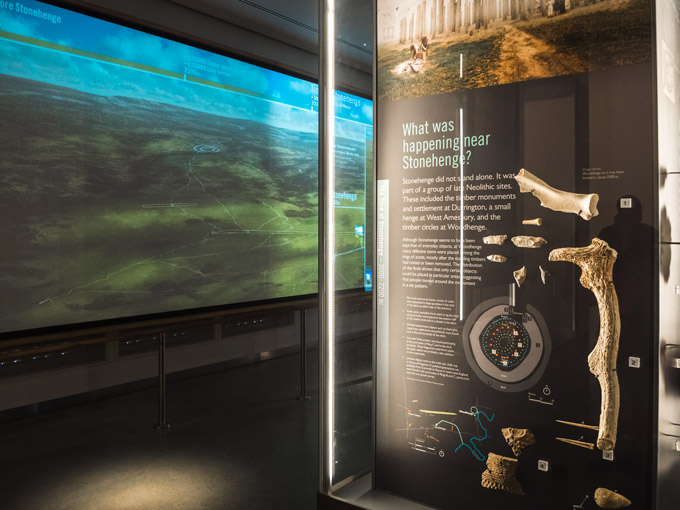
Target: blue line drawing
x=472, y=444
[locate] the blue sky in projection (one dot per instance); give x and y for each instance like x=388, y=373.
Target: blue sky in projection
x=290, y=107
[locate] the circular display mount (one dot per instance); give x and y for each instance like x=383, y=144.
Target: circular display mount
x=508, y=350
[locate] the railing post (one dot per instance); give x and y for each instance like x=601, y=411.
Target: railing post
x=303, y=357
x=162, y=422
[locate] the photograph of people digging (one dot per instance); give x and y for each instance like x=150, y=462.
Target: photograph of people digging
x=427, y=47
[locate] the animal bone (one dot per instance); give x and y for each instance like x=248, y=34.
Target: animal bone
x=500, y=239
x=597, y=262
x=581, y=425
x=610, y=499
x=518, y=439
x=496, y=258
x=544, y=274
x=536, y=222
x=500, y=474
x=520, y=275
x=528, y=241
x=563, y=201
x=576, y=442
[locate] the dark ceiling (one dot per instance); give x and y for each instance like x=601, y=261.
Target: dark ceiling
x=295, y=22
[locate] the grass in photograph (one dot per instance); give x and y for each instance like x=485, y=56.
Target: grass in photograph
x=596, y=36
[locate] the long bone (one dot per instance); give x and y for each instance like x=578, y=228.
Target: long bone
x=597, y=263
x=563, y=201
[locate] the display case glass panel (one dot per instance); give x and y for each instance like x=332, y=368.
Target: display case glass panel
x=668, y=115
x=517, y=244
x=347, y=203
x=521, y=251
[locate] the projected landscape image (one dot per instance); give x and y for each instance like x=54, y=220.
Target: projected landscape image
x=175, y=205
x=126, y=193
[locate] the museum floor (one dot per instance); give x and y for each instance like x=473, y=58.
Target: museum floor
x=239, y=439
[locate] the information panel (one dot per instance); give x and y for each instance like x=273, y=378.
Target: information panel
x=515, y=252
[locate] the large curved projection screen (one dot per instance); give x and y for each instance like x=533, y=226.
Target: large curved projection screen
x=139, y=175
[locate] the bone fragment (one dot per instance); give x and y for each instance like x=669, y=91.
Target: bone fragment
x=610, y=499
x=528, y=241
x=520, y=275
x=544, y=274
x=597, y=262
x=536, y=222
x=500, y=474
x=583, y=444
x=499, y=239
x=518, y=439
x=563, y=201
x=496, y=258
x=581, y=425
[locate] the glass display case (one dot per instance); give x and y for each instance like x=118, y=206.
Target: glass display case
x=525, y=350
x=345, y=217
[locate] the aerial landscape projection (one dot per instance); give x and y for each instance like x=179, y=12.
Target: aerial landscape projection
x=140, y=176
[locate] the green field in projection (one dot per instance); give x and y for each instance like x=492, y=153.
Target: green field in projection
x=115, y=207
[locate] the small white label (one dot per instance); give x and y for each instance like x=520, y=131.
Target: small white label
x=542, y=465
x=626, y=203
x=677, y=289
x=677, y=445
x=608, y=454
x=633, y=362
